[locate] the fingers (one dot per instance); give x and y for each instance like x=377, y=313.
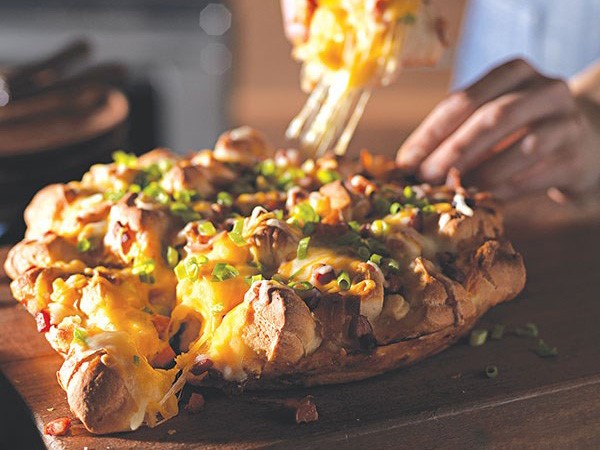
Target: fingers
x=474, y=141
x=453, y=111
x=552, y=172
x=541, y=141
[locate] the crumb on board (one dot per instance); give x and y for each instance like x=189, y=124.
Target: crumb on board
x=171, y=432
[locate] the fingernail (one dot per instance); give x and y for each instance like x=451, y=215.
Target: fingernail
x=406, y=158
x=431, y=174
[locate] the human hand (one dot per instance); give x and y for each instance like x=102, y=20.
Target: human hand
x=513, y=131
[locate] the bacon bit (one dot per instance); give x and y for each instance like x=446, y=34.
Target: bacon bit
x=58, y=427
x=42, y=320
x=161, y=323
x=163, y=358
x=305, y=410
x=361, y=329
x=416, y=221
x=324, y=274
x=201, y=364
x=127, y=238
x=195, y=403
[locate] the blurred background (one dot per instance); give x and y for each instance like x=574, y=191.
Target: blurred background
x=79, y=79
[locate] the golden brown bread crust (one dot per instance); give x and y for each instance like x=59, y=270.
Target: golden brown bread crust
x=451, y=266
x=96, y=392
x=444, y=311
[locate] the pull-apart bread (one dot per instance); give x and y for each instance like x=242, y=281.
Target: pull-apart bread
x=249, y=268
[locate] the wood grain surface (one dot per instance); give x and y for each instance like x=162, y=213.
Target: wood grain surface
x=443, y=402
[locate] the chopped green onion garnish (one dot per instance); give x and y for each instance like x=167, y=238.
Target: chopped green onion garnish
x=392, y=264
x=207, y=228
x=124, y=159
x=491, y=371
x=529, y=330
x=478, y=337
x=145, y=267
x=184, y=195
x=279, y=278
x=408, y=193
x=278, y=214
x=343, y=281
x=395, y=208
x=164, y=165
x=376, y=259
x=184, y=212
x=363, y=253
x=327, y=176
x=379, y=228
x=225, y=199
x=354, y=226
x=135, y=188
x=80, y=336
x=304, y=213
x=302, y=249
x=84, y=245
x=252, y=279
x=497, y=332
x=428, y=209
x=544, y=350
x=172, y=257
x=114, y=196
x=224, y=271
x=154, y=191
x=236, y=234
x=136, y=360
x=301, y=286
x=267, y=167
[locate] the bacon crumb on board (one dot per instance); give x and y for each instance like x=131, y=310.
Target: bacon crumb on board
x=195, y=403
x=58, y=427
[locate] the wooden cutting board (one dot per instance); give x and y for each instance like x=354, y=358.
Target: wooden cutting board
x=445, y=401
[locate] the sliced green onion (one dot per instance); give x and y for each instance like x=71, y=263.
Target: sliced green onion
x=529, y=330
x=184, y=195
x=544, y=350
x=135, y=188
x=395, y=208
x=224, y=271
x=207, y=228
x=267, y=167
x=376, y=259
x=408, y=193
x=80, y=336
x=327, y=176
x=379, y=228
x=343, y=281
x=180, y=271
x=136, y=360
x=497, y=332
x=114, y=196
x=236, y=234
x=279, y=278
x=392, y=264
x=354, y=226
x=363, y=253
x=301, y=286
x=252, y=279
x=84, y=245
x=172, y=257
x=184, y=212
x=225, y=199
x=152, y=173
x=145, y=267
x=154, y=191
x=428, y=209
x=164, y=165
x=302, y=249
x=491, y=371
x=478, y=337
x=278, y=214
x=304, y=213
x=124, y=159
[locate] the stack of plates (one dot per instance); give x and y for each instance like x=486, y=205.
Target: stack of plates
x=53, y=134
